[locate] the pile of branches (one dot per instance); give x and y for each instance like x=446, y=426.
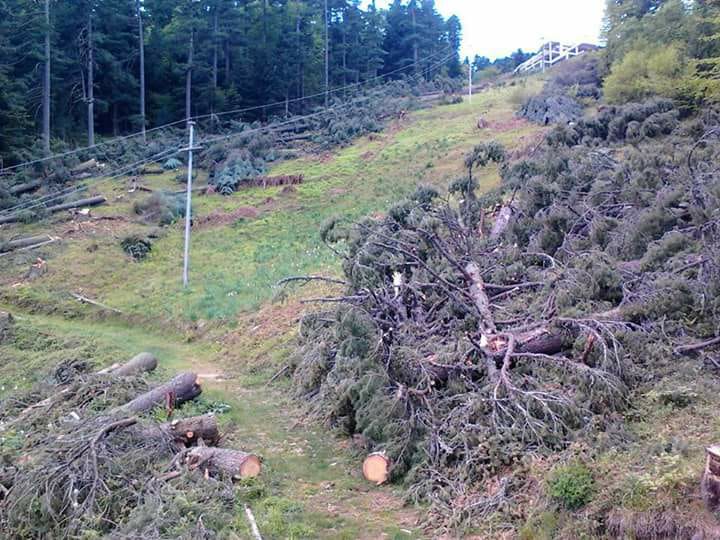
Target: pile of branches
x=569, y=83
x=84, y=455
x=474, y=331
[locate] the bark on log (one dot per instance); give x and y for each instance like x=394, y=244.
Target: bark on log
x=23, y=243
x=233, y=463
x=182, y=388
x=501, y=222
x=186, y=432
x=92, y=201
x=84, y=166
x=710, y=485
x=376, y=468
x=480, y=298
x=25, y=188
x=141, y=363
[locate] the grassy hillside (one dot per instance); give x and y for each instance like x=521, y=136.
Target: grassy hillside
x=226, y=326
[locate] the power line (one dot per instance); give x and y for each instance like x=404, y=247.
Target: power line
x=128, y=168
x=224, y=113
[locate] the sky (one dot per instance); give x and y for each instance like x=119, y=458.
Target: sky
x=496, y=28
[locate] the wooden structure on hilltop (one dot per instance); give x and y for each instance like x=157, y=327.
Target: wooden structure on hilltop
x=551, y=53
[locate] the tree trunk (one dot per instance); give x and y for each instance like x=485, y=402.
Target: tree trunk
x=227, y=62
x=327, y=55
x=46, y=85
x=224, y=461
x=215, y=52
x=23, y=242
x=141, y=363
x=141, y=48
x=480, y=299
x=182, y=388
x=501, y=223
x=92, y=201
x=91, y=82
x=188, y=77
x=24, y=188
x=415, y=40
x=710, y=485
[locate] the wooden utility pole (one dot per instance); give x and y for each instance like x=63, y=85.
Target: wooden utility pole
x=470, y=79
x=141, y=43
x=188, y=203
x=91, y=81
x=46, y=85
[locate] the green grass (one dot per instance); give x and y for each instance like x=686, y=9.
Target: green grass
x=234, y=268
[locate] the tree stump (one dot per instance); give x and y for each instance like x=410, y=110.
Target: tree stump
x=710, y=486
x=376, y=468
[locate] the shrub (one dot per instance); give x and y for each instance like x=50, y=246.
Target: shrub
x=137, y=247
x=572, y=485
x=172, y=164
x=161, y=208
x=646, y=72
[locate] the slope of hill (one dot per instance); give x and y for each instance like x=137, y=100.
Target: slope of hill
x=227, y=326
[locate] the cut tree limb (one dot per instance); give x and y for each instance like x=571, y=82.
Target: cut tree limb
x=85, y=300
x=253, y=524
x=182, y=388
x=233, y=463
x=141, y=363
x=186, y=432
x=501, y=222
x=480, y=298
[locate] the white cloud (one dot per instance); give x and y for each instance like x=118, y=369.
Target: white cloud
x=495, y=28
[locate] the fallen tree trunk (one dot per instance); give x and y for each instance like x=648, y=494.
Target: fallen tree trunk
x=25, y=188
x=225, y=461
x=84, y=166
x=92, y=201
x=23, y=243
x=501, y=223
x=480, y=299
x=141, y=363
x=182, y=388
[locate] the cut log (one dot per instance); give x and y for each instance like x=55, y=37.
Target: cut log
x=186, y=432
x=92, y=201
x=84, y=166
x=710, y=485
x=189, y=431
x=480, y=299
x=233, y=463
x=182, y=388
x=24, y=242
x=141, y=363
x=25, y=188
x=501, y=223
x=376, y=468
